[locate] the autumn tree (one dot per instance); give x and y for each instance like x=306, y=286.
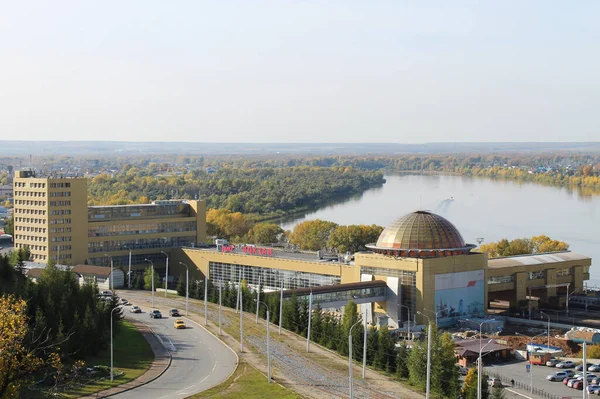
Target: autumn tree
x=312, y=234
x=353, y=238
x=265, y=233
x=522, y=246
x=17, y=361
x=544, y=243
x=469, y=388
x=225, y=224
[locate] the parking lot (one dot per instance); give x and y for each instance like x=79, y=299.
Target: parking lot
x=517, y=371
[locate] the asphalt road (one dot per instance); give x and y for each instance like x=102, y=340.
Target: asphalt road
x=200, y=360
x=517, y=371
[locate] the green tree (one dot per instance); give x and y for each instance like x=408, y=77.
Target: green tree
x=9, y=227
x=312, y=234
x=498, y=393
x=402, y=361
x=353, y=238
x=181, y=286
x=317, y=323
x=372, y=344
x=385, y=357
x=148, y=279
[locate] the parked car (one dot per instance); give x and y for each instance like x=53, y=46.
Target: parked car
x=463, y=370
x=106, y=293
x=594, y=367
x=567, y=364
x=494, y=382
x=124, y=302
x=155, y=314
x=579, y=367
x=595, y=381
x=174, y=313
x=593, y=389
x=179, y=324
x=552, y=362
x=135, y=309
x=558, y=376
x=573, y=381
x=566, y=380
x=577, y=385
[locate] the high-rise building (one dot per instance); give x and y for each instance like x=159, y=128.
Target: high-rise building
x=52, y=218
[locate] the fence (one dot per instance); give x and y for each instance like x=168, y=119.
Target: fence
x=521, y=385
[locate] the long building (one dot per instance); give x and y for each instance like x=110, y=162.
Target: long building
x=419, y=267
x=52, y=218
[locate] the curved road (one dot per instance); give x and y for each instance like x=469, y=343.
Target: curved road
x=200, y=360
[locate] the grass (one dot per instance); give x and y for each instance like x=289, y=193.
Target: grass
x=132, y=355
x=249, y=383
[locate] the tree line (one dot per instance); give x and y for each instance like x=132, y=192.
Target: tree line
x=522, y=246
x=58, y=323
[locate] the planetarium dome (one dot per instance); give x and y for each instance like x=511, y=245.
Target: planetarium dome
x=421, y=234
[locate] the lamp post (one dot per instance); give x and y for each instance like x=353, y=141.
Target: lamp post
x=435, y=314
x=111, y=282
x=129, y=270
x=543, y=313
x=408, y=328
x=268, y=341
x=187, y=287
x=309, y=320
x=530, y=360
x=205, y=300
x=280, y=306
x=152, y=264
x=111, y=343
x=479, y=360
x=428, y=354
x=241, y=302
x=166, y=273
x=350, y=356
x=220, y=313
x=257, y=298
x=364, y=368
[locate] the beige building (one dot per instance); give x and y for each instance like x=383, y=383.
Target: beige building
x=52, y=218
x=423, y=260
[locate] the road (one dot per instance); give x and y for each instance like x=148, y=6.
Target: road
x=517, y=371
x=200, y=360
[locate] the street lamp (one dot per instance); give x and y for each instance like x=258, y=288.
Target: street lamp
x=152, y=264
x=408, y=328
x=530, y=360
x=241, y=303
x=479, y=360
x=257, y=298
x=428, y=354
x=435, y=314
x=166, y=273
x=543, y=313
x=280, y=305
x=350, y=355
x=220, y=312
x=309, y=320
x=364, y=368
x=111, y=343
x=187, y=287
x=110, y=281
x=268, y=341
x=129, y=273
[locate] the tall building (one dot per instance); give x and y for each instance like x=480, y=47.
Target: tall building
x=52, y=218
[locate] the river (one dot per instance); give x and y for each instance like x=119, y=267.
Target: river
x=490, y=209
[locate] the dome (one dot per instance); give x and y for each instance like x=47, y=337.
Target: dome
x=421, y=234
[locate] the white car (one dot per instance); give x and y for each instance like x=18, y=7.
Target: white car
x=567, y=364
x=559, y=376
x=594, y=367
x=135, y=309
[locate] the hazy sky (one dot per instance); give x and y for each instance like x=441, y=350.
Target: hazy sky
x=300, y=71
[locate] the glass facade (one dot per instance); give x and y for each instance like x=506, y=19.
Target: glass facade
x=536, y=275
x=140, y=228
x=133, y=244
x=345, y=296
x=126, y=212
x=270, y=279
x=407, y=286
x=123, y=260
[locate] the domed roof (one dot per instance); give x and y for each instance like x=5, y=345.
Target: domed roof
x=419, y=231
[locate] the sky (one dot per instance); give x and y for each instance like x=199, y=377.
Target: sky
x=300, y=71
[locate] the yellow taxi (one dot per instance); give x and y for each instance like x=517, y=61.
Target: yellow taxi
x=179, y=324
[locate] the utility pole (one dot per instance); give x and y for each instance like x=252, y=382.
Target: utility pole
x=309, y=320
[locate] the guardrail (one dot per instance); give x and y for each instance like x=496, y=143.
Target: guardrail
x=521, y=385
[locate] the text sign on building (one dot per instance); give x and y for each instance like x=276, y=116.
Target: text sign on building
x=249, y=250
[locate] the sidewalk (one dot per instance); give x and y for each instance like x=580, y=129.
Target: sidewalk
x=162, y=361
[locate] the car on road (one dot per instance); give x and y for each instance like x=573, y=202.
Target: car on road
x=594, y=367
x=179, y=324
x=494, y=382
x=558, y=376
x=135, y=309
x=155, y=314
x=552, y=362
x=174, y=313
x=567, y=364
x=124, y=302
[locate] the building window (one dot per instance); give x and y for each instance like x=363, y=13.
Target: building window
x=564, y=272
x=536, y=275
x=501, y=279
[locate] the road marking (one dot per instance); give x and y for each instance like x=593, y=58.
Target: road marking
x=517, y=393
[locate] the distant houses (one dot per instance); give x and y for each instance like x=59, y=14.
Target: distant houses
x=100, y=275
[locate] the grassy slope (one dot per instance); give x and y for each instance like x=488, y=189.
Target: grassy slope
x=248, y=383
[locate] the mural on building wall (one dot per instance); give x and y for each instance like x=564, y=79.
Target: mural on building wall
x=459, y=295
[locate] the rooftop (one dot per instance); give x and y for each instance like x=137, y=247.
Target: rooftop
x=307, y=256
x=89, y=270
x=536, y=259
